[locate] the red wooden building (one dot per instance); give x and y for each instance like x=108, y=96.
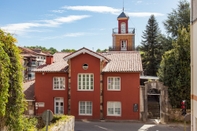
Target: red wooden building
x=93, y=85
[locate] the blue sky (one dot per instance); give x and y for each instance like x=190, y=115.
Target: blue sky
x=73, y=24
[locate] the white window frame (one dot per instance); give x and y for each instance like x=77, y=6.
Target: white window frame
x=58, y=83
x=115, y=107
x=83, y=84
x=60, y=107
x=83, y=108
x=112, y=84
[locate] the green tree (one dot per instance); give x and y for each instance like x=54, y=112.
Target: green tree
x=151, y=47
x=175, y=69
x=98, y=50
x=179, y=17
x=52, y=50
x=68, y=50
x=44, y=49
x=166, y=43
x=11, y=94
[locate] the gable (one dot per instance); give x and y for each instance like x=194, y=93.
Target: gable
x=84, y=51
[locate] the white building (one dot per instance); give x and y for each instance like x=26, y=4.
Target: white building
x=193, y=65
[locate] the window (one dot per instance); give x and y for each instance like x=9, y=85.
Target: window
x=113, y=83
x=123, y=45
x=85, y=82
x=113, y=108
x=59, y=105
x=85, y=108
x=85, y=66
x=123, y=27
x=58, y=83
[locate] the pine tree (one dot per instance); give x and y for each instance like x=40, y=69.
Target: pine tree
x=151, y=47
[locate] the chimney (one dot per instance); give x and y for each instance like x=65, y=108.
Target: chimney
x=49, y=59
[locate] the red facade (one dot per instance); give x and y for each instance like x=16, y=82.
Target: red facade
x=119, y=25
x=91, y=85
x=113, y=94
x=128, y=95
x=44, y=91
x=94, y=96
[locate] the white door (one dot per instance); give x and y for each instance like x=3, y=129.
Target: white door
x=59, y=105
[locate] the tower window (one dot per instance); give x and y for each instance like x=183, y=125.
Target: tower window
x=123, y=27
x=123, y=45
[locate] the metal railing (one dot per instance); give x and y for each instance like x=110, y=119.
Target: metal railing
x=130, y=31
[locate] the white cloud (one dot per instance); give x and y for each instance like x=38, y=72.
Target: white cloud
x=106, y=9
x=65, y=35
x=21, y=28
x=144, y=14
x=71, y=18
x=99, y=9
x=58, y=11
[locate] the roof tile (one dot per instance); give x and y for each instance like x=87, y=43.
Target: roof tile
x=119, y=61
x=59, y=64
x=123, y=61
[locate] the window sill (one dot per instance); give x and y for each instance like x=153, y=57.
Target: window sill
x=85, y=114
x=59, y=89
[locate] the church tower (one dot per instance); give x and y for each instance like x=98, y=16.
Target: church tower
x=123, y=36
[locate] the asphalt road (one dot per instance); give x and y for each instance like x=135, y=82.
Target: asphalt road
x=125, y=126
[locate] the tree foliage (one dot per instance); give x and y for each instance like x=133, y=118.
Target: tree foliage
x=166, y=43
x=175, y=69
x=179, y=17
x=51, y=50
x=68, y=50
x=100, y=51
x=151, y=47
x=12, y=103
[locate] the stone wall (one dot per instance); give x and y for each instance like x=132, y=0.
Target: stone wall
x=67, y=125
x=175, y=115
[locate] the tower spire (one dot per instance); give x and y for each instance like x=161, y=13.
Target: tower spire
x=123, y=7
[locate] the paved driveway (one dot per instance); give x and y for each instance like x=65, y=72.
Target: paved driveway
x=125, y=126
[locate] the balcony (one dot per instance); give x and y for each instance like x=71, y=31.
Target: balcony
x=130, y=31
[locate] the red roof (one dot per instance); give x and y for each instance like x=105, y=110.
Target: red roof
x=117, y=61
x=123, y=61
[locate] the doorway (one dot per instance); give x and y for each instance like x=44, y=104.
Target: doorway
x=153, y=106
x=153, y=103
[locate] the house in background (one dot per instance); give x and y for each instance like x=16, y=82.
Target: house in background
x=28, y=90
x=92, y=85
x=31, y=60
